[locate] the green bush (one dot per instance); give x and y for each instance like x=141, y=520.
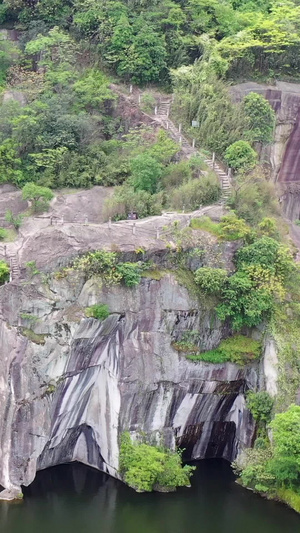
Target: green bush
x=148, y=103
x=232, y=228
x=145, y=467
x=244, y=301
x=200, y=191
x=14, y=220
x=106, y=265
x=125, y=199
x=3, y=234
x=260, y=404
x=275, y=468
x=211, y=280
x=4, y=272
x=238, y=349
x=268, y=253
x=99, y=311
x=241, y=156
x=130, y=273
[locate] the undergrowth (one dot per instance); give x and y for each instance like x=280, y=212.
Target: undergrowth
x=238, y=349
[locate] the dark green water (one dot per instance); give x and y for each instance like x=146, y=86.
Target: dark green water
x=78, y=499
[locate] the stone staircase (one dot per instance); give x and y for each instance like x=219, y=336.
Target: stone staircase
x=161, y=116
x=162, y=113
x=163, y=109
x=223, y=177
x=14, y=267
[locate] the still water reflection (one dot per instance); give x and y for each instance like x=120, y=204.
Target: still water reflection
x=78, y=499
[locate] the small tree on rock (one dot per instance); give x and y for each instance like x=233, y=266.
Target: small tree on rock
x=39, y=196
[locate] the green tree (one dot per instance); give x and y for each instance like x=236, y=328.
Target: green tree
x=58, y=56
x=39, y=196
x=92, y=90
x=285, y=464
x=145, y=173
x=261, y=118
x=241, y=156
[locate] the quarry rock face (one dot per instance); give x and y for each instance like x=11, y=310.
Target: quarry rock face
x=283, y=155
x=69, y=385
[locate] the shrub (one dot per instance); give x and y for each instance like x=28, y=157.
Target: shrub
x=144, y=466
x=200, y=191
x=32, y=268
x=148, y=103
x=238, y=349
x=176, y=174
x=260, y=404
x=244, y=301
x=4, y=272
x=232, y=228
x=254, y=198
x=105, y=264
x=268, y=253
x=130, y=273
x=14, y=220
x=126, y=199
x=211, y=280
x=99, y=311
x=99, y=263
x=3, y=234
x=241, y=156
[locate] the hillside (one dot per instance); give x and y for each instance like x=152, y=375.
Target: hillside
x=179, y=328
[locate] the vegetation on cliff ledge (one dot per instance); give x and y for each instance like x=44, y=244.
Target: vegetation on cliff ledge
x=146, y=467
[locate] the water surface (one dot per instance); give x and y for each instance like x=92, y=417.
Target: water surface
x=77, y=499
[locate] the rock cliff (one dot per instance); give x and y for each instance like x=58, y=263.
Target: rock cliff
x=69, y=385
x=282, y=155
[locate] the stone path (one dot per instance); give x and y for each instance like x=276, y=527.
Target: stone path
x=162, y=113
x=14, y=267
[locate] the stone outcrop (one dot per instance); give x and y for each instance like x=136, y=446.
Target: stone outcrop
x=69, y=385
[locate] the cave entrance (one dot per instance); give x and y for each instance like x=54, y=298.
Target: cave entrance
x=215, y=442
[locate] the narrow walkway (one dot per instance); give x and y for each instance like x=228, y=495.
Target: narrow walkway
x=162, y=113
x=14, y=267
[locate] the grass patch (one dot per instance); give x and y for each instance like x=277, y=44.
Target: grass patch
x=28, y=316
x=154, y=273
x=99, y=311
x=290, y=497
x=238, y=349
x=37, y=338
x=186, y=278
x=11, y=235
x=206, y=224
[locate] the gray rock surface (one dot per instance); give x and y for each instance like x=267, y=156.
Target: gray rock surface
x=69, y=385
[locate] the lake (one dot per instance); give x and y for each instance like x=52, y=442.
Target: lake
x=77, y=499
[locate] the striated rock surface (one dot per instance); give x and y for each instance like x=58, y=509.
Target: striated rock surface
x=69, y=385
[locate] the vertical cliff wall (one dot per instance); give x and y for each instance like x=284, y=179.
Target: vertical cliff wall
x=70, y=385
